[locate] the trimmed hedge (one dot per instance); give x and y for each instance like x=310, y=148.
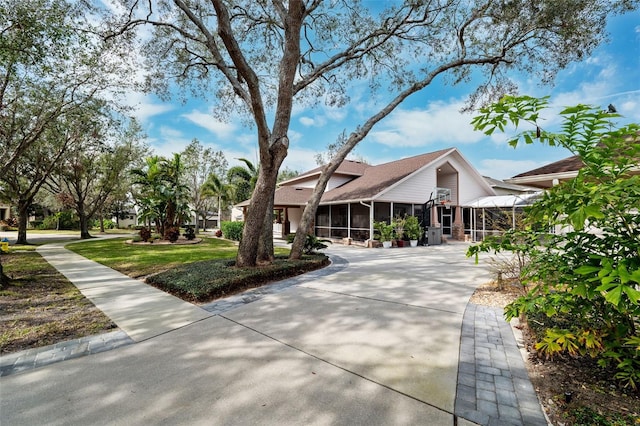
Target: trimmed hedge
x=232, y=230
x=211, y=279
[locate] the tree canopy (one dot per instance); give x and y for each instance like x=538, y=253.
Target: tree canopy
x=262, y=58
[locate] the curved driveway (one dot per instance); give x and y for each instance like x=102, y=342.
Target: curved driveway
x=375, y=342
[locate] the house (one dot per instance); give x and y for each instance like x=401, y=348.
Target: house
x=5, y=211
x=550, y=174
x=438, y=187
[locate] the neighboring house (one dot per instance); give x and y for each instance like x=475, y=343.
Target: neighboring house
x=550, y=174
x=5, y=211
x=554, y=173
x=128, y=219
x=438, y=187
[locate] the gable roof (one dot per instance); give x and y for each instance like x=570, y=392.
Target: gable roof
x=376, y=179
x=347, y=168
x=543, y=177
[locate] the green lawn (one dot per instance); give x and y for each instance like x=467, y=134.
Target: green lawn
x=141, y=260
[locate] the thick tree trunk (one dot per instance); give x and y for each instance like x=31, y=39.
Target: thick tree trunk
x=23, y=217
x=254, y=235
x=266, y=252
x=84, y=225
x=254, y=224
x=309, y=213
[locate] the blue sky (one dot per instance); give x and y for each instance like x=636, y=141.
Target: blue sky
x=428, y=121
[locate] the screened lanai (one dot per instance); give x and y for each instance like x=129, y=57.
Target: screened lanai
x=493, y=215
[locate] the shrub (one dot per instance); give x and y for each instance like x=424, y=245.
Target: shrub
x=384, y=231
x=203, y=281
x=587, y=278
x=311, y=244
x=232, y=230
x=145, y=234
x=172, y=233
x=189, y=233
x=49, y=222
x=218, y=233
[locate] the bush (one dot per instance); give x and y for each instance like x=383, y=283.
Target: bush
x=232, y=230
x=172, y=233
x=189, y=233
x=145, y=234
x=586, y=279
x=206, y=280
x=218, y=233
x=312, y=243
x=49, y=222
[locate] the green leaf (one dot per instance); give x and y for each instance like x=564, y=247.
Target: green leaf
x=586, y=269
x=614, y=295
x=632, y=293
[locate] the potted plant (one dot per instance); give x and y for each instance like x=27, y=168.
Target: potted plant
x=413, y=230
x=399, y=230
x=385, y=233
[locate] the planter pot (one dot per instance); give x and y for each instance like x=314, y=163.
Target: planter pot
x=414, y=243
x=400, y=243
x=386, y=244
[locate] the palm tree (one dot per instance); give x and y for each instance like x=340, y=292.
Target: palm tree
x=214, y=187
x=242, y=179
x=163, y=195
x=148, y=179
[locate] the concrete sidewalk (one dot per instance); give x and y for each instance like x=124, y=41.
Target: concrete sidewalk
x=375, y=341
x=138, y=309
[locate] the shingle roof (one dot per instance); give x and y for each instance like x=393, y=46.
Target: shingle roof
x=570, y=164
x=377, y=178
x=288, y=196
x=348, y=167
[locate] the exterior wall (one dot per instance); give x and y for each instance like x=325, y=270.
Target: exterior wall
x=294, y=215
x=5, y=211
x=450, y=181
x=129, y=222
x=470, y=186
x=415, y=190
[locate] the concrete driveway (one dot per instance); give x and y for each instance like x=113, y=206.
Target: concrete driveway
x=375, y=343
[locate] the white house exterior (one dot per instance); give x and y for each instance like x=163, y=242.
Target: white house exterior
x=359, y=194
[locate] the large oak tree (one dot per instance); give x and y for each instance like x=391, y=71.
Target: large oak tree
x=264, y=57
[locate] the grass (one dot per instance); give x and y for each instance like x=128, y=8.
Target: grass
x=142, y=260
x=193, y=272
x=41, y=307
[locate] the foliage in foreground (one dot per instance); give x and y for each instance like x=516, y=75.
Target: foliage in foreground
x=203, y=281
x=586, y=277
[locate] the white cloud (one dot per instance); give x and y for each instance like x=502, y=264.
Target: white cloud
x=207, y=121
x=300, y=160
x=307, y=121
x=145, y=110
x=441, y=122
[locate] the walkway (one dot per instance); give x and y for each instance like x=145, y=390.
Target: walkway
x=374, y=339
